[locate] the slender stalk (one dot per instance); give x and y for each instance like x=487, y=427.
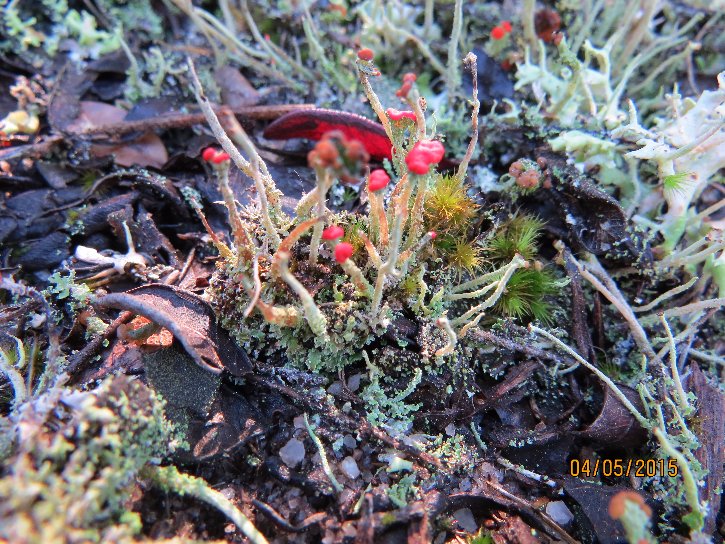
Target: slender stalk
x=169, y=478
x=388, y=267
x=372, y=251
x=454, y=77
x=674, y=372
x=601, y=375
x=428, y=17
x=323, y=456
x=374, y=101
x=666, y=296
x=692, y=495
x=14, y=377
x=242, y=239
x=315, y=319
x=471, y=61
x=527, y=19
x=490, y=301
x=324, y=181
x=450, y=347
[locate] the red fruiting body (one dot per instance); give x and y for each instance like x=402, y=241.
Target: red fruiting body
x=343, y=251
x=547, y=22
x=378, y=180
x=431, y=149
x=366, y=54
x=404, y=90
x=208, y=154
x=516, y=169
x=498, y=33
x=220, y=157
x=215, y=156
x=433, y=235
x=423, y=154
x=528, y=180
x=408, y=80
x=506, y=25
x=347, y=158
x=397, y=115
x=333, y=233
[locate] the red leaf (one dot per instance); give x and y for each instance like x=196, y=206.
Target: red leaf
x=313, y=124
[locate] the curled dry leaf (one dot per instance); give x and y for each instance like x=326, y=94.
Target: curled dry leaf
x=190, y=319
x=615, y=426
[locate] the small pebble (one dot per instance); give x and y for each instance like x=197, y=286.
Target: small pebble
x=451, y=429
x=349, y=467
x=559, y=512
x=465, y=520
x=353, y=383
x=349, y=441
x=228, y=493
x=335, y=389
x=292, y=453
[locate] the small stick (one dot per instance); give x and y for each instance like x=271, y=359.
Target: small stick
x=470, y=61
x=181, y=120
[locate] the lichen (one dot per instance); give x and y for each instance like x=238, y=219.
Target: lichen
x=75, y=457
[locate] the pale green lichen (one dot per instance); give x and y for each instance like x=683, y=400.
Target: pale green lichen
x=75, y=457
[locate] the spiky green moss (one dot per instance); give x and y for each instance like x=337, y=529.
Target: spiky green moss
x=448, y=208
x=519, y=235
x=525, y=295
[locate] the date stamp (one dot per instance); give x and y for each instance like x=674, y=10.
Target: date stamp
x=623, y=467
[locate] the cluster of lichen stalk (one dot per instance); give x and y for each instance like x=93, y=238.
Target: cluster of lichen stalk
x=395, y=239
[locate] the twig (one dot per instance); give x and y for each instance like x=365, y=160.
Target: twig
x=277, y=518
x=181, y=120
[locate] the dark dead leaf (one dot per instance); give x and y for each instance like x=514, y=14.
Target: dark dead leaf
x=232, y=421
x=615, y=426
x=595, y=220
x=494, y=82
x=94, y=218
x=146, y=150
x=236, y=91
x=47, y=252
x=92, y=114
x=190, y=319
x=64, y=107
x=56, y=175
